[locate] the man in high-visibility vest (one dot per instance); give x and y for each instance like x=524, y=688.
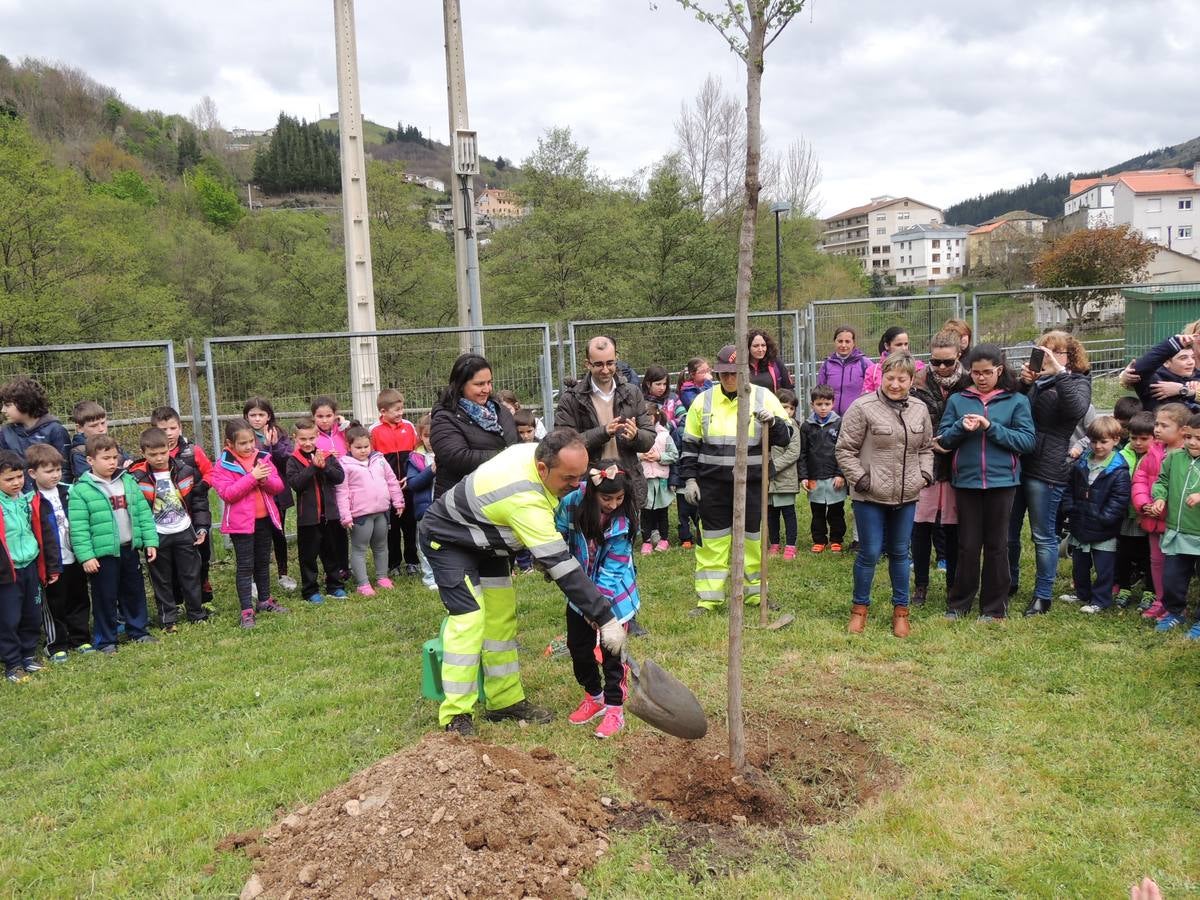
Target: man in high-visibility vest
x=706, y=463
x=468, y=535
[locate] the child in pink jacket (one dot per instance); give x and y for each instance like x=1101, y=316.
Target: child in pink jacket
x=363, y=498
x=247, y=481
x=1169, y=421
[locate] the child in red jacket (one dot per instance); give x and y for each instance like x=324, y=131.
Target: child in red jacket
x=396, y=437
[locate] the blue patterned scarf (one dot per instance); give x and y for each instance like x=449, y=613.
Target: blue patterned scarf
x=483, y=416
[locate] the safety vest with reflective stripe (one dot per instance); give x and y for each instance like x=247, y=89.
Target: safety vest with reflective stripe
x=502, y=507
x=710, y=434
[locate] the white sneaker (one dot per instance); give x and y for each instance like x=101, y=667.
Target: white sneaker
x=287, y=582
x=1068, y=598
x=1091, y=608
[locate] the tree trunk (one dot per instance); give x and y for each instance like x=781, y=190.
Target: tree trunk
x=737, y=566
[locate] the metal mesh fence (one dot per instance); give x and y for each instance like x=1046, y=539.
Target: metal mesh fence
x=671, y=342
x=290, y=370
x=128, y=379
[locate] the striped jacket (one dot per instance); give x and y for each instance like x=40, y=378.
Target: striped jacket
x=710, y=434
x=503, y=507
x=611, y=569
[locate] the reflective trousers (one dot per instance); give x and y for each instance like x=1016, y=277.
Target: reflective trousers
x=477, y=590
x=716, y=529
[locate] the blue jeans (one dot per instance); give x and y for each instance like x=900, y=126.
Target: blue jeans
x=879, y=525
x=1040, y=499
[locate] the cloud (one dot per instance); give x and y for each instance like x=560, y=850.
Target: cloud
x=939, y=103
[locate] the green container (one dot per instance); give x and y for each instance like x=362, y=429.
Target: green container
x=1153, y=315
x=431, y=668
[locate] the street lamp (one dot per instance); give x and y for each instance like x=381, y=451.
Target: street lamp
x=781, y=207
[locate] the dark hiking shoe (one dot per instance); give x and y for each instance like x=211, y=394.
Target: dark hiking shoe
x=522, y=711
x=462, y=724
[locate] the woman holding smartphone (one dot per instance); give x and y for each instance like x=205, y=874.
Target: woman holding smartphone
x=1059, y=392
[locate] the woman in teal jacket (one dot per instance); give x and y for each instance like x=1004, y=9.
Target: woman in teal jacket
x=987, y=427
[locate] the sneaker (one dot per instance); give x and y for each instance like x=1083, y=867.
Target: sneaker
x=1147, y=601
x=462, y=724
x=339, y=594
x=835, y=548
x=30, y=664
x=385, y=584
x=146, y=639
x=85, y=648
x=953, y=616
x=774, y=550
x=985, y=618
x=614, y=721
x=1091, y=609
x=589, y=709
x=108, y=649
x=941, y=565
x=366, y=590
x=287, y=582
x=1194, y=632
x=687, y=545
x=16, y=676
x=818, y=548
x=269, y=605
x=247, y=618
x=170, y=629
x=1154, y=610
x=1169, y=622
x=919, y=594
x=661, y=547
x=647, y=548
x=1068, y=598
x=1124, y=598
x=521, y=711
x=316, y=599
x=59, y=657
x=789, y=552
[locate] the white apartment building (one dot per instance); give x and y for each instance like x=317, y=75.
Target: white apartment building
x=864, y=232
x=929, y=254
x=1163, y=205
x=1094, y=194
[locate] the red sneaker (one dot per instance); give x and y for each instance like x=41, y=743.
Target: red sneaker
x=1156, y=609
x=835, y=548
x=789, y=552
x=614, y=721
x=774, y=551
x=818, y=548
x=589, y=709
x=686, y=545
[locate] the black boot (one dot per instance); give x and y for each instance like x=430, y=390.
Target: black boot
x=918, y=596
x=1037, y=607
x=636, y=629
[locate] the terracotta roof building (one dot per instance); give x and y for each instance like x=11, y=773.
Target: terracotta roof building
x=864, y=232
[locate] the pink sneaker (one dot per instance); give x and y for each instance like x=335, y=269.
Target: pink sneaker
x=385, y=583
x=366, y=590
x=661, y=546
x=647, y=548
x=614, y=721
x=589, y=709
x=1156, y=609
x=774, y=550
x=789, y=552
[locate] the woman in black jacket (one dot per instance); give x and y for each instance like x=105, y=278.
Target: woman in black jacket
x=766, y=369
x=467, y=427
x=1059, y=395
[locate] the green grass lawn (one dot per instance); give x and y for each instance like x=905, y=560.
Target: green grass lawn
x=1050, y=757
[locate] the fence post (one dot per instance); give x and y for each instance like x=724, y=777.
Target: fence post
x=812, y=343
x=172, y=382
x=558, y=343
x=975, y=315
x=547, y=381
x=798, y=350
x=213, y=412
x=194, y=389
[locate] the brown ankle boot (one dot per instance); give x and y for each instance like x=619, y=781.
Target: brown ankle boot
x=858, y=618
x=900, y=621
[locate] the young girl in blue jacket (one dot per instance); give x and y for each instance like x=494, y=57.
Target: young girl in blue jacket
x=987, y=428
x=598, y=522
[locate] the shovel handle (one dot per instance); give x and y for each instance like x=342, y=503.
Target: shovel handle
x=763, y=539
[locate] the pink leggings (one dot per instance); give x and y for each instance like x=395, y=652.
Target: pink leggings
x=1156, y=566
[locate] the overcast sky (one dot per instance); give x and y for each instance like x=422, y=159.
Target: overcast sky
x=936, y=101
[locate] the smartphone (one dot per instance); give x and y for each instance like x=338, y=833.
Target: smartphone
x=1037, y=359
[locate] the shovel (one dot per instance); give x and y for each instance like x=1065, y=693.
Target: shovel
x=763, y=606
x=660, y=699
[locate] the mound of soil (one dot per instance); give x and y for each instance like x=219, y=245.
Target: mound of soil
x=799, y=773
x=446, y=818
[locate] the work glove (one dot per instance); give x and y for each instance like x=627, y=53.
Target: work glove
x=766, y=417
x=612, y=636
x=691, y=491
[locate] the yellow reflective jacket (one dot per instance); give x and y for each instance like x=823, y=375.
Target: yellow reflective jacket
x=710, y=434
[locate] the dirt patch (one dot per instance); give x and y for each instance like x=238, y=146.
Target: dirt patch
x=799, y=773
x=448, y=817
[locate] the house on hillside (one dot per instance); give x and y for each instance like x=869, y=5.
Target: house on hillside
x=1163, y=205
x=499, y=205
x=998, y=242
x=1090, y=202
x=864, y=232
x=929, y=254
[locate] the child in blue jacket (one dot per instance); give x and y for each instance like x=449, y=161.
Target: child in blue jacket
x=421, y=469
x=598, y=521
x=1100, y=490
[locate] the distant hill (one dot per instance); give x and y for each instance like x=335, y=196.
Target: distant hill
x=423, y=156
x=1045, y=194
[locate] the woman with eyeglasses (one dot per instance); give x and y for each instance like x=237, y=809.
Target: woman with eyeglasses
x=986, y=428
x=1059, y=394
x=936, y=508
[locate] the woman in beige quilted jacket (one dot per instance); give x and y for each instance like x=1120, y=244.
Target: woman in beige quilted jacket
x=885, y=451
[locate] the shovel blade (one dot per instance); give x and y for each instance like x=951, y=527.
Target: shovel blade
x=660, y=699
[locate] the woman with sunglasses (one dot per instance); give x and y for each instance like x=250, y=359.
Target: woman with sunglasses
x=936, y=509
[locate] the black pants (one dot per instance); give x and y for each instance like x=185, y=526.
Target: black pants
x=20, y=618
x=253, y=553
x=941, y=540
x=656, y=520
x=924, y=539
x=67, y=611
x=175, y=577
x=315, y=542
x=828, y=522
x=279, y=544
x=402, y=534
x=982, y=525
x=1133, y=561
x=581, y=642
x=1178, y=570
x=788, y=514
x=205, y=560
x=689, y=518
